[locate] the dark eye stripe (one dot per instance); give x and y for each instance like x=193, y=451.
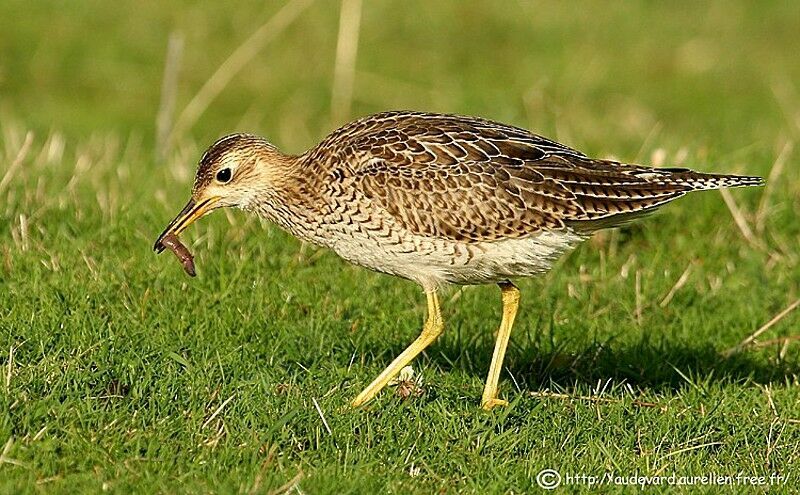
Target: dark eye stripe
x=224, y=175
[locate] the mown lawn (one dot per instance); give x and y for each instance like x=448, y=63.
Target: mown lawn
x=119, y=373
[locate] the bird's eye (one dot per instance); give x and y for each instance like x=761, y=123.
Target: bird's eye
x=224, y=175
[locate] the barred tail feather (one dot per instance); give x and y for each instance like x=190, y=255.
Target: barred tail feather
x=699, y=181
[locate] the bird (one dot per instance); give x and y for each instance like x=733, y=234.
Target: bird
x=437, y=199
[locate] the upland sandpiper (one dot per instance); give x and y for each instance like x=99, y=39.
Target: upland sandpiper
x=437, y=199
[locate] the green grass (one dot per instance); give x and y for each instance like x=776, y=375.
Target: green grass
x=119, y=373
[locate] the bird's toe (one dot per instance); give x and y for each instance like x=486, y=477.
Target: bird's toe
x=492, y=403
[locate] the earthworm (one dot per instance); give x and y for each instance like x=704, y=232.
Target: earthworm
x=172, y=242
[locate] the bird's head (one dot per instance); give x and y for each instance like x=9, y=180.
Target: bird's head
x=234, y=171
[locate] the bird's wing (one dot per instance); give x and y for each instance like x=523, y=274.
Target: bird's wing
x=473, y=180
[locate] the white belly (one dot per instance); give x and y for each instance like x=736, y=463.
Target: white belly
x=435, y=262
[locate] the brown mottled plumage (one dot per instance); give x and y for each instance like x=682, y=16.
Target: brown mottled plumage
x=437, y=199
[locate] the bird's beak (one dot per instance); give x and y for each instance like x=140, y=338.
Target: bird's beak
x=191, y=212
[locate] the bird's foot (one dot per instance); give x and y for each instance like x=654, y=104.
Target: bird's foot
x=362, y=399
x=487, y=405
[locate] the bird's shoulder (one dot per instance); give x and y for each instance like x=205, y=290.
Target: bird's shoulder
x=399, y=138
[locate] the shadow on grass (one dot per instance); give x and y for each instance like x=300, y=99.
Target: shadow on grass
x=663, y=367
x=660, y=367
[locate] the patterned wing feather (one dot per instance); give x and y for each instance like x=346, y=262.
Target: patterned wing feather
x=473, y=180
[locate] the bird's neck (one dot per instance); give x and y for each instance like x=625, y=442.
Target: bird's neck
x=292, y=199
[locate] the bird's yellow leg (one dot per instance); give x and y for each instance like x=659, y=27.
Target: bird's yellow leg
x=432, y=329
x=510, y=296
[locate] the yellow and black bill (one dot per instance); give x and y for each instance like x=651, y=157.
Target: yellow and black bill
x=191, y=212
